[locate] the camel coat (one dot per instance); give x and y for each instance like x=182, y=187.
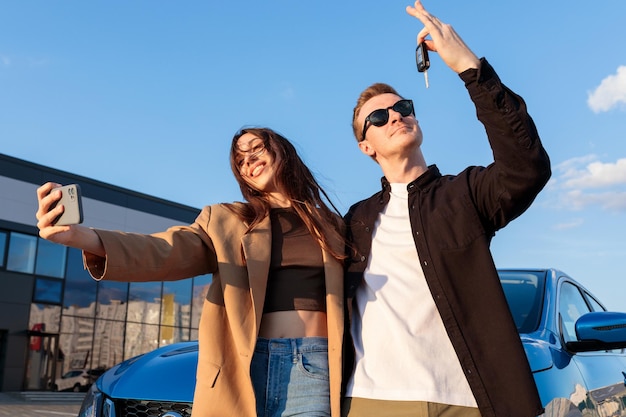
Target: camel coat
x=215, y=243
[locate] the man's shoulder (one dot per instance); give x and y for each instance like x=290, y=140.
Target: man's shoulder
x=364, y=205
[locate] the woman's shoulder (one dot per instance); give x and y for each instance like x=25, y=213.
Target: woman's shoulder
x=223, y=209
x=235, y=212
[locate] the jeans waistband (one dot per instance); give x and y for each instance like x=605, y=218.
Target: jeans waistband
x=298, y=345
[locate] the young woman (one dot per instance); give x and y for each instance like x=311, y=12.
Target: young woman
x=272, y=323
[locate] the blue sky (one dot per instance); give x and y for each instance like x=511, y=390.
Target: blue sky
x=146, y=95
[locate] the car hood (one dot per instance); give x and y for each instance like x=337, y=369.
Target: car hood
x=168, y=372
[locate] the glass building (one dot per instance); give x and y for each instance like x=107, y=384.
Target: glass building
x=53, y=316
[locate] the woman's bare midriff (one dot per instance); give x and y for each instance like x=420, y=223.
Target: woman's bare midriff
x=293, y=324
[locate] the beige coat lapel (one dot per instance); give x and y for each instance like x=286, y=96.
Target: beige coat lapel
x=257, y=249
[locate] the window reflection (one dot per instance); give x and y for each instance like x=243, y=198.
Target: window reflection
x=571, y=306
x=112, y=300
x=108, y=344
x=140, y=338
x=79, y=297
x=97, y=324
x=51, y=259
x=176, y=305
x=101, y=323
x=171, y=335
x=21, y=253
x=201, y=286
x=49, y=315
x=595, y=305
x=3, y=244
x=76, y=341
x=144, y=302
x=48, y=290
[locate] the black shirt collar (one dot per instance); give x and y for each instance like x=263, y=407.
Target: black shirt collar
x=420, y=182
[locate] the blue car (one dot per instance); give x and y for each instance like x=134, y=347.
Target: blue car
x=574, y=346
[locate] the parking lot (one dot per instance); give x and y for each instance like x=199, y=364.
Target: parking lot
x=43, y=405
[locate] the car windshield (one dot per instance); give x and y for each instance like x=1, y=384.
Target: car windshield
x=524, y=293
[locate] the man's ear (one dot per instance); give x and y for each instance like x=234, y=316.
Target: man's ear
x=365, y=147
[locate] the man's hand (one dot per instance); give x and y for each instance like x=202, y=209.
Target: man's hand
x=444, y=40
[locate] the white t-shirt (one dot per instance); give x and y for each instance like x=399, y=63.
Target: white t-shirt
x=403, y=352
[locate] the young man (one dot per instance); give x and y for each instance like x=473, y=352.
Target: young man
x=431, y=327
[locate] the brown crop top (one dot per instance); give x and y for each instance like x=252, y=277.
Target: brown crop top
x=296, y=277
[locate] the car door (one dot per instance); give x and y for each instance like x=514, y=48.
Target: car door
x=603, y=371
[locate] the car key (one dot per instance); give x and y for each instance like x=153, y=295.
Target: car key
x=421, y=58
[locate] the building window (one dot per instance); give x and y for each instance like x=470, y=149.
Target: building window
x=79, y=295
x=48, y=291
x=3, y=247
x=144, y=302
x=108, y=346
x=22, y=249
x=112, y=300
x=47, y=314
x=76, y=341
x=51, y=259
x=201, y=286
x=176, y=305
x=140, y=338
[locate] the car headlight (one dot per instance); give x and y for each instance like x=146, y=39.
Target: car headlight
x=96, y=404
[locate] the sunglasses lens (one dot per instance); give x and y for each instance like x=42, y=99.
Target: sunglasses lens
x=404, y=107
x=379, y=117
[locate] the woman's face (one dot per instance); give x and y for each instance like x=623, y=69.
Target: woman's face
x=255, y=163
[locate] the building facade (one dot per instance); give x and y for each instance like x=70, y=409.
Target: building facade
x=53, y=316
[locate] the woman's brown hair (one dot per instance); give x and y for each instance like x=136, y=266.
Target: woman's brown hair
x=296, y=182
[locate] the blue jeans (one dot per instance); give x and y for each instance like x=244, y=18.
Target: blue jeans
x=290, y=377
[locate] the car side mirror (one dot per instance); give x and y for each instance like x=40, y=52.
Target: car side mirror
x=599, y=330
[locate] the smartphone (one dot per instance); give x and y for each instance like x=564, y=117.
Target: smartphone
x=71, y=200
x=421, y=57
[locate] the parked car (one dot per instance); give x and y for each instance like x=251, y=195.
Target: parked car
x=575, y=348
x=77, y=379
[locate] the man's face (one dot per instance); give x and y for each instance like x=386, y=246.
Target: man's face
x=399, y=135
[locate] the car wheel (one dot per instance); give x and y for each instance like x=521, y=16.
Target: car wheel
x=76, y=388
x=55, y=387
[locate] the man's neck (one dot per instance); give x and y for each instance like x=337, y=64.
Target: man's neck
x=404, y=170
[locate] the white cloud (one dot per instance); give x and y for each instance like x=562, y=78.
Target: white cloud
x=585, y=181
x=610, y=93
x=597, y=175
x=571, y=168
x=611, y=201
x=570, y=225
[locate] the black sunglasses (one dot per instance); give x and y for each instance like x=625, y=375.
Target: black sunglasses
x=380, y=117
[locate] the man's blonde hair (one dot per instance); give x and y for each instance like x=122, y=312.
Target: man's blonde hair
x=371, y=91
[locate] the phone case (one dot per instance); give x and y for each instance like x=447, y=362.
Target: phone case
x=71, y=200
